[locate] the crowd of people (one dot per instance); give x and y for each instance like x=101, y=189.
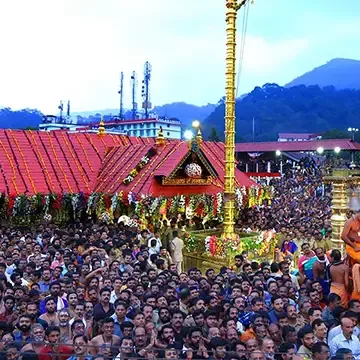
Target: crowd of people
x=97, y=291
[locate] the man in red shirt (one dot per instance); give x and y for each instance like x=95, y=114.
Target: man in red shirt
x=52, y=350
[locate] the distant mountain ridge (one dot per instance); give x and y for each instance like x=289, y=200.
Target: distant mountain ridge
x=340, y=73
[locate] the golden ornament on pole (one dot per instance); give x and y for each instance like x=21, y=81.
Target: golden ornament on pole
x=232, y=7
x=101, y=129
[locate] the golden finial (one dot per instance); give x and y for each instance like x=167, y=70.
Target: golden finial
x=199, y=138
x=160, y=138
x=101, y=129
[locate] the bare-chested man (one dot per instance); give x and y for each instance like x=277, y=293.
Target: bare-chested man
x=319, y=269
x=106, y=342
x=339, y=274
x=351, y=237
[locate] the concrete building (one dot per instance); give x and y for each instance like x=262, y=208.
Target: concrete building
x=172, y=129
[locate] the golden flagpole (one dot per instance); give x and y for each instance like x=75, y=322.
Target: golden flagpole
x=232, y=7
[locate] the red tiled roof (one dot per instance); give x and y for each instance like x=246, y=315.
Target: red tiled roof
x=313, y=145
x=58, y=161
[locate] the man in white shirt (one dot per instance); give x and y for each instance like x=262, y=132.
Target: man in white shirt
x=337, y=329
x=346, y=339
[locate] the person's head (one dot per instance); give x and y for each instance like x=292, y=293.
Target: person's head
x=305, y=247
x=287, y=351
x=257, y=355
x=314, y=313
x=24, y=323
x=335, y=256
x=275, y=333
x=79, y=345
x=38, y=333
x=354, y=305
x=277, y=303
x=52, y=334
x=140, y=337
x=268, y=347
x=126, y=346
x=218, y=345
x=307, y=338
x=314, y=296
x=347, y=327
x=333, y=301
x=319, y=329
x=344, y=354
x=107, y=326
x=12, y=351
x=320, y=351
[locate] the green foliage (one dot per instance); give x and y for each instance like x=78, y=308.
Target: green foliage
x=296, y=109
x=213, y=135
x=20, y=119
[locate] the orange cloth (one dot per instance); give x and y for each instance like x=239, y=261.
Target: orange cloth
x=340, y=290
x=247, y=335
x=353, y=254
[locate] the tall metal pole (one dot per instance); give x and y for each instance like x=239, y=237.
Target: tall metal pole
x=232, y=7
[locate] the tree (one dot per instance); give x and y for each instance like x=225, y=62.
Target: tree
x=335, y=134
x=213, y=135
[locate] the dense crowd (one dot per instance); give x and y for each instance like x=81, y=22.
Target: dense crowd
x=301, y=204
x=97, y=291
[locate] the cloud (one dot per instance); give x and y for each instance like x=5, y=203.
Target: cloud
x=75, y=50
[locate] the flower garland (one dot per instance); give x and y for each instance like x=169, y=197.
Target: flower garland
x=24, y=161
x=124, y=169
x=115, y=168
x=140, y=165
x=58, y=163
x=13, y=178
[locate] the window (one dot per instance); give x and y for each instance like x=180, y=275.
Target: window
x=168, y=125
x=168, y=134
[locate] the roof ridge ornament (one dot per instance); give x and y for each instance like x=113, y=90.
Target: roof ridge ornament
x=160, y=140
x=101, y=129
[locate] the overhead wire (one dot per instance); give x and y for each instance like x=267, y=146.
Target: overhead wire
x=242, y=45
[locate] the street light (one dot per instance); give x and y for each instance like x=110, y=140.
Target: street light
x=188, y=134
x=277, y=152
x=320, y=150
x=353, y=131
x=337, y=149
x=196, y=124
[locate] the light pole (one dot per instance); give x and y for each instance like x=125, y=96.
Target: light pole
x=279, y=153
x=353, y=132
x=232, y=7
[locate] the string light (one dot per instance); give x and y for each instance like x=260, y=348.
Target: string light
x=81, y=171
x=42, y=161
x=13, y=178
x=85, y=152
x=58, y=164
x=24, y=161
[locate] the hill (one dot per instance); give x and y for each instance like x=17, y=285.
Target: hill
x=297, y=109
x=340, y=73
x=20, y=119
x=186, y=113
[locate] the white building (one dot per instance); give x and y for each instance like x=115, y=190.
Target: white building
x=298, y=137
x=172, y=129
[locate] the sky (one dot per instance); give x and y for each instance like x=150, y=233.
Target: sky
x=75, y=49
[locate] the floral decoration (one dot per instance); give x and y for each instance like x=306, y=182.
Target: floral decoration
x=193, y=170
x=140, y=165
